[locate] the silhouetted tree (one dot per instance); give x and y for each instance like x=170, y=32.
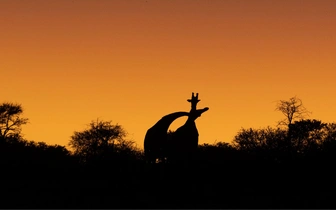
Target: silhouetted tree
x=306, y=135
x=330, y=138
x=256, y=139
x=302, y=139
x=100, y=137
x=11, y=120
x=267, y=143
x=293, y=109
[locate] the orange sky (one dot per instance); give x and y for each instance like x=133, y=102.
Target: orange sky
x=70, y=62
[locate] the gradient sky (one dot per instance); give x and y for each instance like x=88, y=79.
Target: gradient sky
x=72, y=61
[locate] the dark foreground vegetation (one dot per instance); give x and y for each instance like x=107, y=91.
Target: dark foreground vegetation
x=36, y=175
x=289, y=167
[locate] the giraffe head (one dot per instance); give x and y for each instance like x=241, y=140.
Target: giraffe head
x=194, y=114
x=194, y=100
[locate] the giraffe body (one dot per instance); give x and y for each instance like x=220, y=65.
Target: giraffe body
x=184, y=141
x=155, y=143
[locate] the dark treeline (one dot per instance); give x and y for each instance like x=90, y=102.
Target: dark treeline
x=286, y=167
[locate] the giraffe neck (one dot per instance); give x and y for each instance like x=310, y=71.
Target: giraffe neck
x=167, y=120
x=190, y=122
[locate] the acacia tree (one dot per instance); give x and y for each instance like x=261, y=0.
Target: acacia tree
x=99, y=138
x=292, y=109
x=259, y=139
x=11, y=120
x=306, y=135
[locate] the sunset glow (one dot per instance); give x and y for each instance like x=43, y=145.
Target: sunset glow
x=132, y=62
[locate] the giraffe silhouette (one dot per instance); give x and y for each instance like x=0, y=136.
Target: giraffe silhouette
x=155, y=143
x=184, y=141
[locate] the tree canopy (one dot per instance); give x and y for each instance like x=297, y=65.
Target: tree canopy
x=11, y=120
x=97, y=139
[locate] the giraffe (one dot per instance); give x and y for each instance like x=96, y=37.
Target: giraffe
x=184, y=141
x=155, y=143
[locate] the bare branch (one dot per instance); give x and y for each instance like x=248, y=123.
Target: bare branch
x=292, y=109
